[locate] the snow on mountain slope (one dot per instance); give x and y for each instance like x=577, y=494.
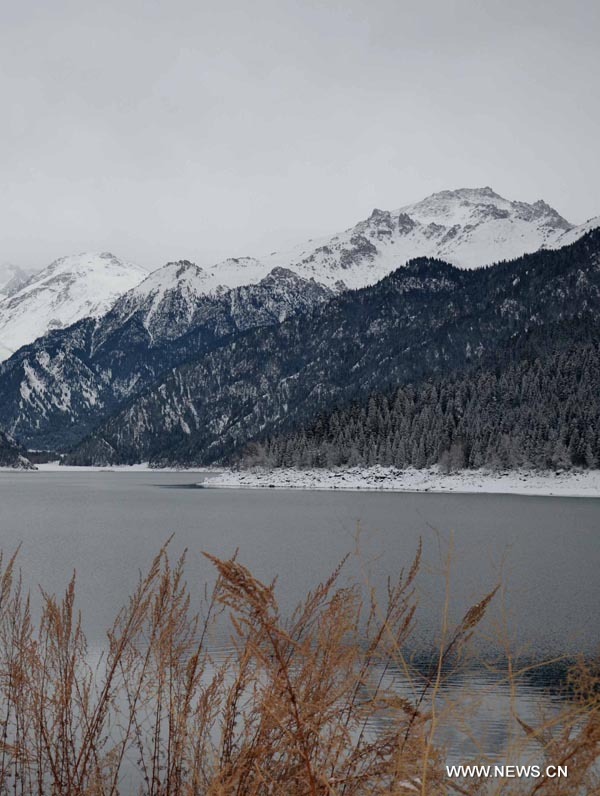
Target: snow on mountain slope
x=56, y=389
x=238, y=271
x=68, y=289
x=165, y=298
x=571, y=235
x=12, y=278
x=178, y=296
x=469, y=227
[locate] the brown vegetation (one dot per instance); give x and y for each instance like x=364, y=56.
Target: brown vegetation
x=299, y=706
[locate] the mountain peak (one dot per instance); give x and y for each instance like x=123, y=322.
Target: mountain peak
x=475, y=207
x=467, y=227
x=486, y=192
x=89, y=258
x=181, y=276
x=469, y=194
x=279, y=272
x=179, y=267
x=70, y=288
x=376, y=214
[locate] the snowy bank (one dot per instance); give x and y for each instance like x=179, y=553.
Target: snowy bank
x=521, y=482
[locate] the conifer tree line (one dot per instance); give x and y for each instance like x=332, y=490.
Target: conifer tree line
x=539, y=412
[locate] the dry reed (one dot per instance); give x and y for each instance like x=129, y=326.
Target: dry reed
x=299, y=706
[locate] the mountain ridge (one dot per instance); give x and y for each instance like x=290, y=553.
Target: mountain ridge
x=425, y=318
x=66, y=382
x=70, y=288
x=468, y=227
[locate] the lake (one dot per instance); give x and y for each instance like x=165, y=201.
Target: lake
x=107, y=526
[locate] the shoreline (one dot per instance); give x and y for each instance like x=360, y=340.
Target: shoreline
x=143, y=467
x=388, y=479
x=584, y=483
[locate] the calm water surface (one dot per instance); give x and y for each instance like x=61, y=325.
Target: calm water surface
x=108, y=526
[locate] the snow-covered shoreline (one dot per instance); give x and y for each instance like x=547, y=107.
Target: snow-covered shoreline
x=386, y=479
x=521, y=482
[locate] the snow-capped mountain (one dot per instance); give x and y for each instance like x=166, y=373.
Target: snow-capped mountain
x=237, y=271
x=172, y=300
x=468, y=227
x=164, y=301
x=195, y=280
x=425, y=321
x=68, y=289
x=63, y=384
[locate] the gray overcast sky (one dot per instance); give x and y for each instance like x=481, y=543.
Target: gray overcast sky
x=161, y=130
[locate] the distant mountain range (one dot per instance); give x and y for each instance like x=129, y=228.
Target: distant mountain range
x=468, y=227
x=55, y=390
x=190, y=365
x=425, y=320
